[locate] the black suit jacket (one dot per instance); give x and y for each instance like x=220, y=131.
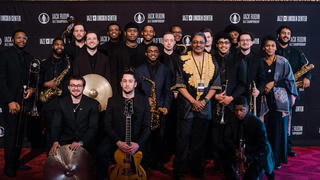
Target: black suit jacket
x=14, y=74
x=67, y=128
x=115, y=121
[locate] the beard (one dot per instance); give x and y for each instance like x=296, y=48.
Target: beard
x=79, y=40
x=57, y=53
x=282, y=42
x=244, y=49
x=128, y=92
x=93, y=48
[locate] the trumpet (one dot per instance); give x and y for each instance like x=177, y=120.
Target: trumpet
x=253, y=100
x=220, y=108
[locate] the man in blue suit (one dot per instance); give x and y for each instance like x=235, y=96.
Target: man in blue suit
x=162, y=77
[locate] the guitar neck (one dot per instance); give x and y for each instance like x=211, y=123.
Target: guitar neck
x=128, y=129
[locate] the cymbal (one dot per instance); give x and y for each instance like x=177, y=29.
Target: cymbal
x=69, y=165
x=98, y=88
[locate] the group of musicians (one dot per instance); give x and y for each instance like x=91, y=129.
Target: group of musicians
x=218, y=94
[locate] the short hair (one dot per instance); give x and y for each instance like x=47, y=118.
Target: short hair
x=231, y=28
x=151, y=44
x=130, y=71
x=206, y=29
x=222, y=35
x=131, y=25
x=246, y=33
x=175, y=25
x=77, y=77
x=57, y=39
x=241, y=100
x=17, y=31
x=168, y=32
x=90, y=32
x=112, y=24
x=199, y=34
x=283, y=27
x=147, y=25
x=79, y=24
x=268, y=38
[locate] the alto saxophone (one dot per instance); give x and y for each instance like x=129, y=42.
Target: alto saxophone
x=155, y=112
x=304, y=69
x=49, y=93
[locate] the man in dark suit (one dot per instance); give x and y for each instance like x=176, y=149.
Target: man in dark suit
x=255, y=68
x=75, y=120
x=115, y=123
x=161, y=75
x=91, y=61
x=249, y=132
x=14, y=70
x=74, y=48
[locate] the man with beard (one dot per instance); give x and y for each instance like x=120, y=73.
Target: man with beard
x=115, y=122
x=75, y=120
x=114, y=33
x=197, y=80
x=255, y=70
x=296, y=60
x=233, y=76
x=50, y=70
x=91, y=61
x=14, y=70
x=162, y=77
x=74, y=48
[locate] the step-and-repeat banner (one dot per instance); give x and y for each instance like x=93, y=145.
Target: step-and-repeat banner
x=43, y=21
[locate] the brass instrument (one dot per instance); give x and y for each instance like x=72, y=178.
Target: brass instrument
x=182, y=48
x=253, y=100
x=155, y=112
x=304, y=69
x=220, y=108
x=35, y=69
x=67, y=33
x=49, y=93
x=98, y=88
x=21, y=120
x=240, y=161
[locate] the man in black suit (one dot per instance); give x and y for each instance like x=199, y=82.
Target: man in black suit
x=115, y=123
x=74, y=48
x=14, y=70
x=249, y=132
x=255, y=69
x=75, y=120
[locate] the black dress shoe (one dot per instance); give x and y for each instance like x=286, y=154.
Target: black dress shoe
x=10, y=172
x=277, y=167
x=24, y=167
x=292, y=153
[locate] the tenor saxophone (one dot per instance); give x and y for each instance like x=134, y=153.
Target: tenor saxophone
x=49, y=93
x=154, y=110
x=304, y=69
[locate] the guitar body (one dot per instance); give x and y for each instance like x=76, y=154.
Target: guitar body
x=128, y=167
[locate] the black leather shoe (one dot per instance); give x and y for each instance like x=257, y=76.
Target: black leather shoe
x=292, y=153
x=24, y=167
x=277, y=167
x=10, y=172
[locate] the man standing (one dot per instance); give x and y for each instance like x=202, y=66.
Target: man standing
x=75, y=120
x=162, y=77
x=114, y=33
x=14, y=74
x=296, y=60
x=51, y=69
x=255, y=72
x=91, y=61
x=197, y=81
x=247, y=144
x=74, y=48
x=179, y=47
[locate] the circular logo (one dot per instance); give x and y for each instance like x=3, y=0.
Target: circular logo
x=1, y=131
x=139, y=18
x=235, y=18
x=43, y=18
x=186, y=40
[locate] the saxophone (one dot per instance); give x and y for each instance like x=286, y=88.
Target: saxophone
x=304, y=69
x=155, y=112
x=49, y=93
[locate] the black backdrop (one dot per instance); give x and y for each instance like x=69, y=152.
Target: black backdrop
x=43, y=21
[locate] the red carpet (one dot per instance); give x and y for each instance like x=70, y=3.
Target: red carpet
x=305, y=166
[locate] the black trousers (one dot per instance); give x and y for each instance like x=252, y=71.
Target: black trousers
x=191, y=133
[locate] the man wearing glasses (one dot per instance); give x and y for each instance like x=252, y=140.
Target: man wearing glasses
x=75, y=120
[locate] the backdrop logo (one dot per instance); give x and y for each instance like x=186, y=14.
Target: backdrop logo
x=103, y=18
x=292, y=18
x=186, y=40
x=60, y=18
x=251, y=18
x=45, y=41
x=256, y=41
x=1, y=131
x=10, y=18
x=156, y=17
x=7, y=41
x=235, y=18
x=298, y=41
x=204, y=18
x=139, y=17
x=104, y=39
x=297, y=130
x=299, y=108
x=43, y=18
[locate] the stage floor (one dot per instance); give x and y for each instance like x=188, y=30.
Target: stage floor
x=305, y=166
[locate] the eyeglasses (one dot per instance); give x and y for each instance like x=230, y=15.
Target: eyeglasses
x=198, y=42
x=223, y=42
x=76, y=85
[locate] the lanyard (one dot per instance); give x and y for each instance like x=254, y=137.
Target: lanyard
x=200, y=74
